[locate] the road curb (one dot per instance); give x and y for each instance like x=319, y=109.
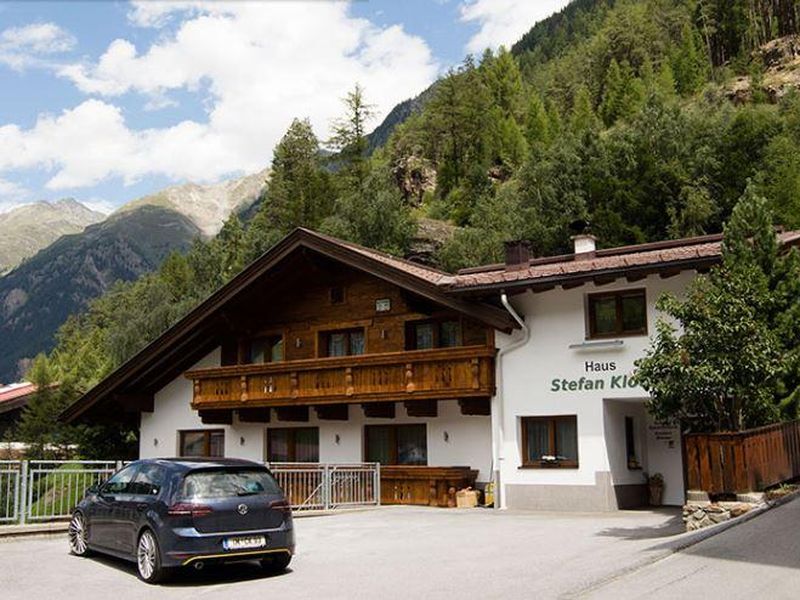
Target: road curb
x=684, y=541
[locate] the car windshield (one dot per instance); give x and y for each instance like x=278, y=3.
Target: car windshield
x=227, y=483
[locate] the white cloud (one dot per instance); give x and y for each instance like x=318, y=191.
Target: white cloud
x=503, y=22
x=24, y=46
x=254, y=66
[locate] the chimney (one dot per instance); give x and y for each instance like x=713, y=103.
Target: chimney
x=585, y=245
x=518, y=255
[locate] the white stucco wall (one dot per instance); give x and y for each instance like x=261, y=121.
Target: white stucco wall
x=557, y=320
x=468, y=443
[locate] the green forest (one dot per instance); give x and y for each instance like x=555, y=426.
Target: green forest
x=615, y=112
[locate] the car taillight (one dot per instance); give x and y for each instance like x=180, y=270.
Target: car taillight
x=281, y=505
x=187, y=509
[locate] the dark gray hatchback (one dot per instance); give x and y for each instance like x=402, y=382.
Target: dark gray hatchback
x=166, y=513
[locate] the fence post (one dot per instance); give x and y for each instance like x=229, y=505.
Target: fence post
x=119, y=465
x=23, y=502
x=326, y=486
x=377, y=485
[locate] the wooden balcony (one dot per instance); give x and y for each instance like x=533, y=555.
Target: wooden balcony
x=447, y=373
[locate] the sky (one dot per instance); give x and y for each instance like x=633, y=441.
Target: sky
x=106, y=101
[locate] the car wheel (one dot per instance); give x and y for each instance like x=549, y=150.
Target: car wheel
x=78, y=535
x=148, y=558
x=276, y=563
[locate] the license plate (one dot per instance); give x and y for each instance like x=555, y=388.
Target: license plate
x=244, y=543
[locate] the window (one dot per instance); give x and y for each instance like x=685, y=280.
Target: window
x=207, y=442
x=347, y=342
x=424, y=335
x=120, y=482
x=227, y=483
x=617, y=313
x=337, y=295
x=293, y=444
x=630, y=444
x=148, y=480
x=266, y=349
x=396, y=444
x=550, y=441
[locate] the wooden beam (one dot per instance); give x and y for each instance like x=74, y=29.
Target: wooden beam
x=253, y=415
x=378, y=410
x=635, y=277
x=540, y=289
x=292, y=413
x=421, y=408
x=475, y=406
x=600, y=281
x=216, y=417
x=670, y=273
x=332, y=412
x=136, y=403
x=572, y=284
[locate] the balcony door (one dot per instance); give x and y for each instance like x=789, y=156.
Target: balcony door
x=396, y=444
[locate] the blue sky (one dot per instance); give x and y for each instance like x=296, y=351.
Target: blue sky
x=107, y=101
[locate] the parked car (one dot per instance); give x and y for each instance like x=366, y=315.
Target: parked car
x=167, y=513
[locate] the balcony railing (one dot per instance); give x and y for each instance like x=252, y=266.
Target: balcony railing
x=446, y=373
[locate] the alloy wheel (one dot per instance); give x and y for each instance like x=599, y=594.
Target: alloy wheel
x=77, y=534
x=146, y=555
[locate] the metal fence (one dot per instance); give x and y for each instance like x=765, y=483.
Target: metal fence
x=318, y=486
x=38, y=490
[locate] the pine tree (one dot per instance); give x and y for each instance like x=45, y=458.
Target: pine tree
x=349, y=137
x=537, y=123
x=583, y=118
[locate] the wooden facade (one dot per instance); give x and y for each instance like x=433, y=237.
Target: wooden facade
x=427, y=486
x=329, y=299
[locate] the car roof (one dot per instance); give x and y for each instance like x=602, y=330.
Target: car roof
x=191, y=464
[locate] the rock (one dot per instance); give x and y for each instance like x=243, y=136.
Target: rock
x=430, y=237
x=720, y=517
x=739, y=509
x=699, y=515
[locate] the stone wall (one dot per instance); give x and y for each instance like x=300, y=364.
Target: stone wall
x=697, y=515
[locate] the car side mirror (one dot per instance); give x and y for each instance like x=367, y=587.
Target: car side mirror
x=93, y=489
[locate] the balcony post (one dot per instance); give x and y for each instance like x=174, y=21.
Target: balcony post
x=476, y=373
x=243, y=388
x=410, y=386
x=348, y=381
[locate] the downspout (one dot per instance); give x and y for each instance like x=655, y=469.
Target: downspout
x=500, y=497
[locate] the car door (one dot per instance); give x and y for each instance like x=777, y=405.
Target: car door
x=143, y=494
x=107, y=516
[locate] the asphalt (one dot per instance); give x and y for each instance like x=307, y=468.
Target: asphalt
x=756, y=559
x=391, y=552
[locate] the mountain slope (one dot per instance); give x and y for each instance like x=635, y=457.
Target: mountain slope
x=207, y=206
x=37, y=297
x=29, y=228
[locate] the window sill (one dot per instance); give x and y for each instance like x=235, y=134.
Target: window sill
x=548, y=466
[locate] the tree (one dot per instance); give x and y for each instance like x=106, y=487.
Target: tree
x=733, y=364
x=623, y=93
x=39, y=426
x=349, y=137
x=299, y=189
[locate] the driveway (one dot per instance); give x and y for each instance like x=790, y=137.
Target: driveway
x=389, y=552
x=757, y=559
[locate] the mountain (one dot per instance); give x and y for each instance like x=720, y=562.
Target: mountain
x=207, y=206
x=61, y=279
x=27, y=229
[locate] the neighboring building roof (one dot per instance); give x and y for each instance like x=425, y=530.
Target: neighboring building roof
x=15, y=395
x=687, y=253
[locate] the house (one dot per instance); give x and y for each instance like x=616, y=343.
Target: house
x=13, y=399
x=517, y=373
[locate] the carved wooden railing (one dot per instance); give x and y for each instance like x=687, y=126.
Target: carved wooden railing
x=447, y=373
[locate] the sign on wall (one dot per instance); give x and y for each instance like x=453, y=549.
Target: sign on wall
x=598, y=376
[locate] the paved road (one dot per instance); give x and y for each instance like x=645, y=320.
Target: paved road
x=391, y=552
x=757, y=559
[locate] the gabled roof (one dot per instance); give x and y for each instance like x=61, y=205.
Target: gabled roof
x=187, y=341
x=641, y=259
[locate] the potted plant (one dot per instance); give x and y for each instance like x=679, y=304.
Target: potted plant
x=656, y=485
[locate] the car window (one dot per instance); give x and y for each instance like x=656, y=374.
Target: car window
x=148, y=480
x=120, y=481
x=227, y=483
